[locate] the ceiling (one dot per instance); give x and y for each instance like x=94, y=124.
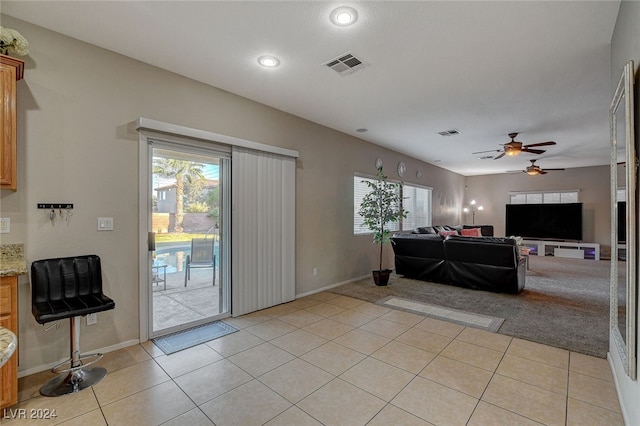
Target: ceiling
x=539, y=68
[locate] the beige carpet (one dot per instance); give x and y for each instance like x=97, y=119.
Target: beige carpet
x=565, y=302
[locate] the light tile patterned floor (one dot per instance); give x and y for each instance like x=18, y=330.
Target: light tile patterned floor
x=333, y=360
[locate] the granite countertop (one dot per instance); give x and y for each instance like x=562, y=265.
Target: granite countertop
x=12, y=260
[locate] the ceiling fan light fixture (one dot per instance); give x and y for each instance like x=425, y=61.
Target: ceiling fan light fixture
x=511, y=152
x=532, y=172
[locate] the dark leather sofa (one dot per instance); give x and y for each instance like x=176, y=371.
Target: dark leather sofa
x=483, y=263
x=486, y=230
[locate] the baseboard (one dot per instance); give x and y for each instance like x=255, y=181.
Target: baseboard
x=329, y=287
x=106, y=349
x=616, y=382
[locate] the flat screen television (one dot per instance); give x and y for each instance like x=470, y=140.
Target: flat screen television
x=562, y=221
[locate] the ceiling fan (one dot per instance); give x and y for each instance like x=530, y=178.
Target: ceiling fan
x=514, y=147
x=533, y=170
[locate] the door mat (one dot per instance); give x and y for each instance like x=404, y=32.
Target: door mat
x=185, y=339
x=468, y=319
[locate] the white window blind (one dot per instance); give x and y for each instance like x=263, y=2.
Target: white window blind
x=417, y=202
x=544, y=197
x=360, y=189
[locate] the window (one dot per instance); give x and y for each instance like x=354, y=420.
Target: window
x=415, y=199
x=544, y=197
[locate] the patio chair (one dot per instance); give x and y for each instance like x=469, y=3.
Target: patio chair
x=202, y=256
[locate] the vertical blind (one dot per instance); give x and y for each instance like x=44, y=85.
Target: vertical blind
x=263, y=230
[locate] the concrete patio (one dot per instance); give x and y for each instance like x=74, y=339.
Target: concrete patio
x=178, y=304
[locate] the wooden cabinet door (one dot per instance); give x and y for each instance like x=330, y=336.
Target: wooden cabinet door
x=9, y=320
x=8, y=158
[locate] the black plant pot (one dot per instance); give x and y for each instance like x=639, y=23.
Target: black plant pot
x=381, y=278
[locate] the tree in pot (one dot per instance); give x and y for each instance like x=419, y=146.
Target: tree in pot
x=380, y=208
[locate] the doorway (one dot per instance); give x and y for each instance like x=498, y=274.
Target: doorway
x=188, y=249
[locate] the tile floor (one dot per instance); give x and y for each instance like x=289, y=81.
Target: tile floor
x=333, y=360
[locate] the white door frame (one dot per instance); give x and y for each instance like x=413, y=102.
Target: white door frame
x=148, y=129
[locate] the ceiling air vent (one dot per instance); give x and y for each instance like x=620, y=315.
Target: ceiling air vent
x=345, y=64
x=452, y=132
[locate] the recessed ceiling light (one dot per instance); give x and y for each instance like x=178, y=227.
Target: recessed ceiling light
x=344, y=16
x=268, y=61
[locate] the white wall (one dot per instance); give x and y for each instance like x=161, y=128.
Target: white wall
x=625, y=46
x=73, y=105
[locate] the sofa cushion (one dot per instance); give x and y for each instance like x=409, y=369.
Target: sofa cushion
x=486, y=230
x=447, y=233
x=426, y=230
x=471, y=232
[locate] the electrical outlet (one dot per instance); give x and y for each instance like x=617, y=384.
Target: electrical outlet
x=92, y=319
x=5, y=225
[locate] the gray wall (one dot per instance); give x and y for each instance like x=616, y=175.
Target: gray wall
x=72, y=104
x=492, y=191
x=625, y=46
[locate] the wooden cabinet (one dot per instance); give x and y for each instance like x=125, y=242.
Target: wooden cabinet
x=9, y=319
x=11, y=70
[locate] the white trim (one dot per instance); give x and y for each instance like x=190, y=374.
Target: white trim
x=143, y=123
x=107, y=349
x=329, y=287
x=144, y=207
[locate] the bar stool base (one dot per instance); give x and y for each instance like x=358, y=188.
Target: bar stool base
x=73, y=381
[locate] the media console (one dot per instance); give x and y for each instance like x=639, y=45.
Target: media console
x=564, y=249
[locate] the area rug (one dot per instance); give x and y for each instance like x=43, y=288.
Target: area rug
x=185, y=339
x=468, y=319
x=565, y=302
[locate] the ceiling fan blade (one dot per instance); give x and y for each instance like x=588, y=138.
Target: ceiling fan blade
x=491, y=150
x=533, y=151
x=542, y=172
x=499, y=156
x=540, y=144
x=515, y=171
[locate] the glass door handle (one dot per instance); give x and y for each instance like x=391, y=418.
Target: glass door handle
x=151, y=241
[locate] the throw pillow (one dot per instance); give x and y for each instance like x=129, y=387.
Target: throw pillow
x=447, y=233
x=471, y=232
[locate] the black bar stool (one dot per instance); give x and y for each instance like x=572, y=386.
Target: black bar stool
x=69, y=287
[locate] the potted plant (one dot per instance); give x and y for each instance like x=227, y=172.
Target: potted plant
x=380, y=208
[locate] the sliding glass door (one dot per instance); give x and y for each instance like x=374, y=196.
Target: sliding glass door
x=188, y=245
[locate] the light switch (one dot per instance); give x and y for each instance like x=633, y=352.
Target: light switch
x=105, y=224
x=5, y=225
